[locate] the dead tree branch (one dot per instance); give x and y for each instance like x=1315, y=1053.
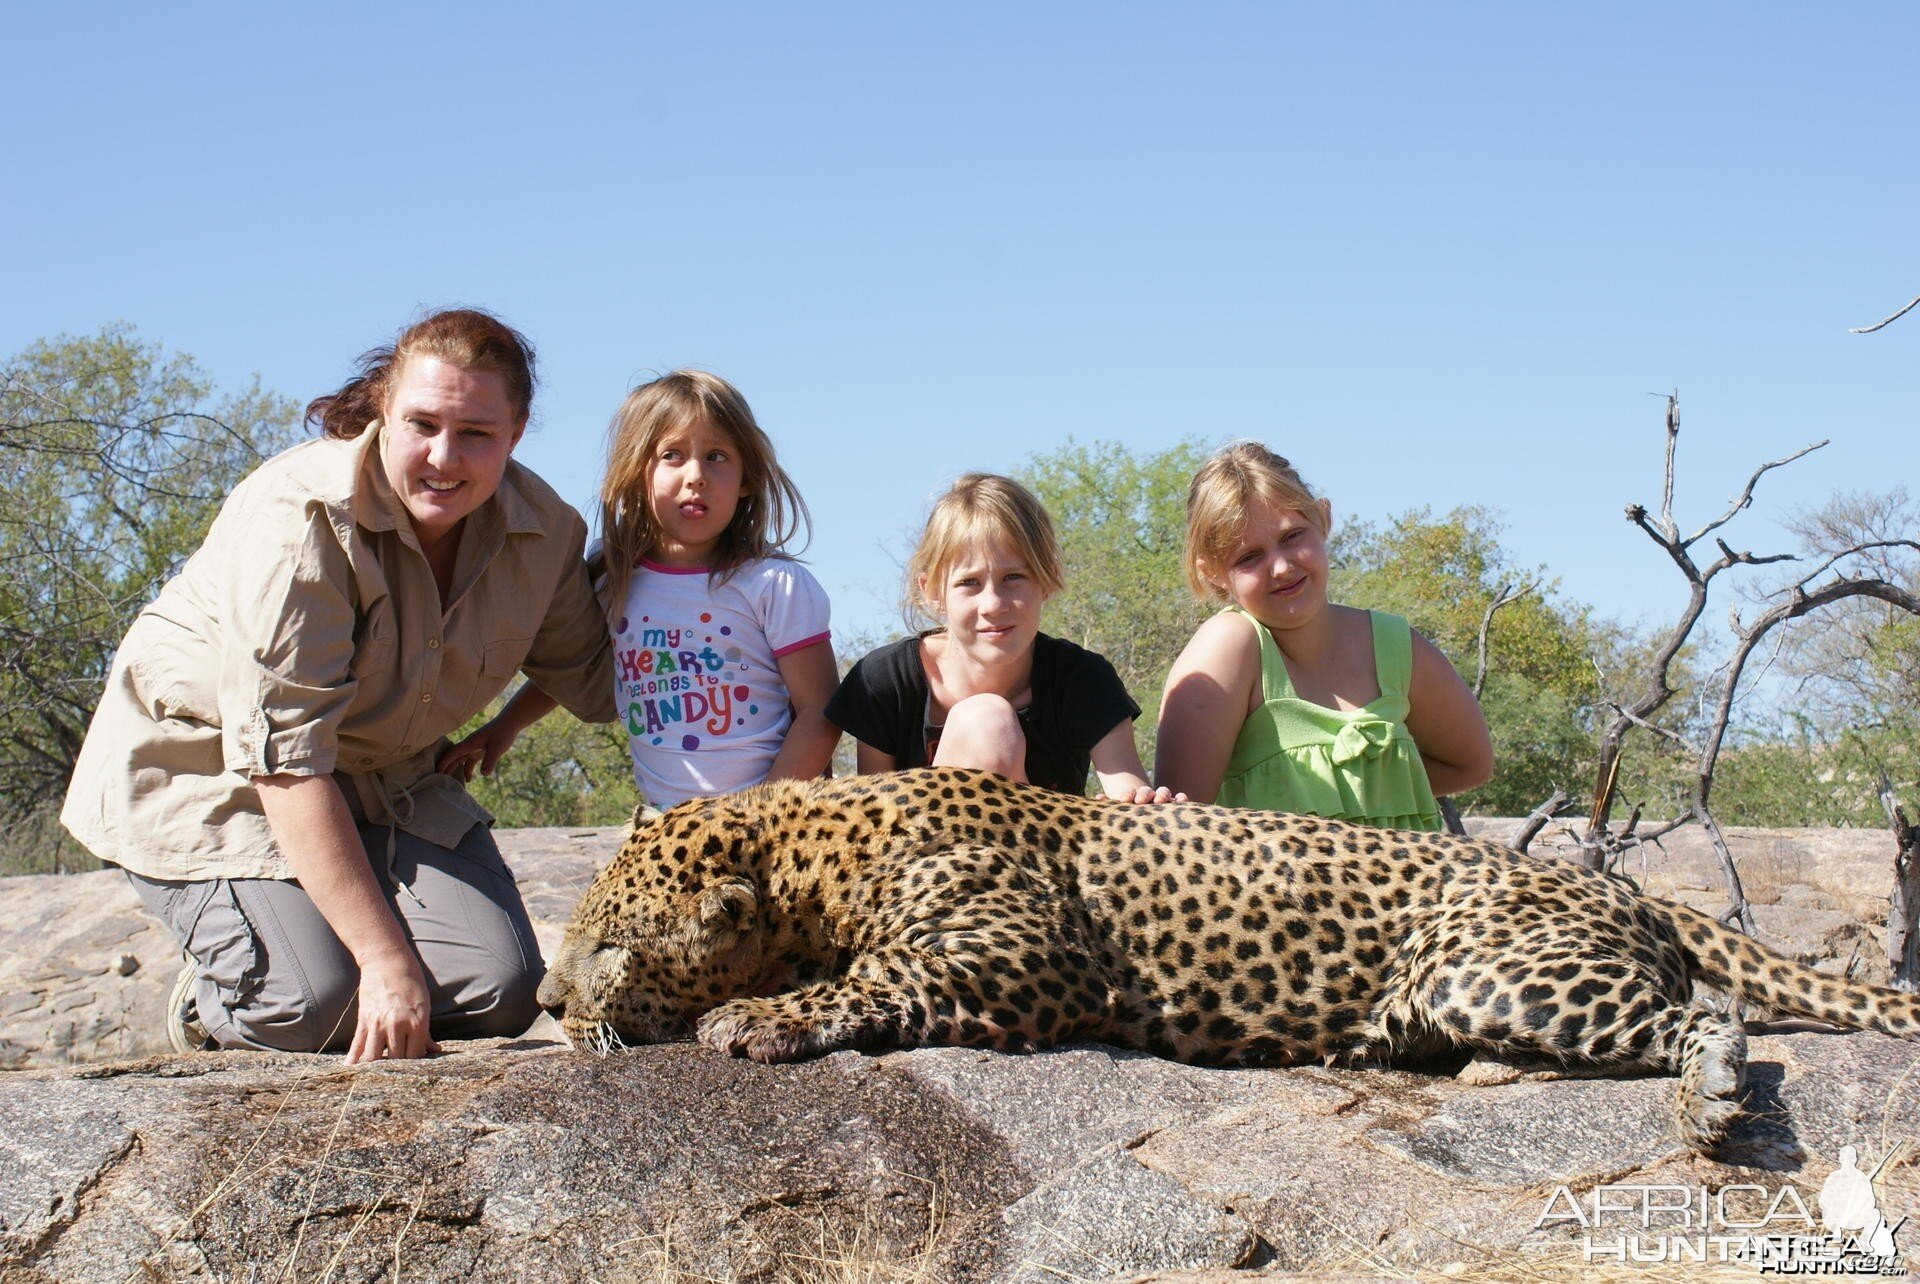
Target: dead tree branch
x=1795, y=601
x=1857, y=550
x=1663, y=732
x=1745, y=500
x=1665, y=532
x=1881, y=325
x=1903, y=914
x=1501, y=597
x=1903, y=903
x=1537, y=820
x=1819, y=587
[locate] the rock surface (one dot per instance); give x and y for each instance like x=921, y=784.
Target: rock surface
x=524, y=1160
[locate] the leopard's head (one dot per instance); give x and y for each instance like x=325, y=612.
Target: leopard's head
x=668, y=930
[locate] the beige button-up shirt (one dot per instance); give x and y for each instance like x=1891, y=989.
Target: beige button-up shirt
x=307, y=637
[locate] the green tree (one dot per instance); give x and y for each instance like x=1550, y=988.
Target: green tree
x=560, y=772
x=1541, y=683
x=1794, y=774
x=1122, y=522
x=114, y=456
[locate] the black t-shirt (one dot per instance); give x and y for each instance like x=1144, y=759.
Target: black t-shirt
x=1077, y=700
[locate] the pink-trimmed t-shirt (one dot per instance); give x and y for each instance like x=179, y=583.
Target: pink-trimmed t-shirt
x=697, y=676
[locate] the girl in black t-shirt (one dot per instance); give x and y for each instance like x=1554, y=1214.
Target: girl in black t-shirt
x=989, y=690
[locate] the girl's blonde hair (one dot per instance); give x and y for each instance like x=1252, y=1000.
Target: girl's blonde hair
x=770, y=513
x=978, y=508
x=1237, y=477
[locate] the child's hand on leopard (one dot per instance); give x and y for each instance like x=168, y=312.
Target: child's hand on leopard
x=1146, y=795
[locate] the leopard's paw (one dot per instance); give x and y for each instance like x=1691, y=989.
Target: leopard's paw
x=1704, y=1121
x=760, y=1029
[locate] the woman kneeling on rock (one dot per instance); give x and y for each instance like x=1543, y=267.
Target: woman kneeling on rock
x=265, y=760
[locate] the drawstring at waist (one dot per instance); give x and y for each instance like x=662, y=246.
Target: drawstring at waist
x=409, y=794
x=394, y=818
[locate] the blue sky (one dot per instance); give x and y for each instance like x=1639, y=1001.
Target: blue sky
x=1436, y=254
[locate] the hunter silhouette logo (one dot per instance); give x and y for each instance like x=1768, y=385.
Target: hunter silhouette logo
x=1848, y=1206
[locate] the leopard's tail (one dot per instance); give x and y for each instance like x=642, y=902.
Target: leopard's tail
x=1742, y=966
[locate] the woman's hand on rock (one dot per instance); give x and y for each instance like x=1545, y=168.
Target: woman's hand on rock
x=393, y=1014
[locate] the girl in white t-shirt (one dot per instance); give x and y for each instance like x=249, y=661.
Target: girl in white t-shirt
x=722, y=661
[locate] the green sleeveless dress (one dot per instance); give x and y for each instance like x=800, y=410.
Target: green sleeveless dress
x=1292, y=755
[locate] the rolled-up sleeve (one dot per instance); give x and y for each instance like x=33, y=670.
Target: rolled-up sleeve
x=572, y=654
x=286, y=637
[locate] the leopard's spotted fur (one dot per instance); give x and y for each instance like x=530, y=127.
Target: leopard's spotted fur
x=954, y=907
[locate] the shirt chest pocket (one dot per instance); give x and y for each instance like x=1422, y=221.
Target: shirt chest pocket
x=499, y=661
x=373, y=647
x=375, y=665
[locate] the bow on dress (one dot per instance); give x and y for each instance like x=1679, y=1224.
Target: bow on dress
x=1362, y=738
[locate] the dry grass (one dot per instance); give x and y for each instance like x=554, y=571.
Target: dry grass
x=663, y=1260
x=1766, y=871
x=259, y=1161
x=830, y=1255
x=862, y=1255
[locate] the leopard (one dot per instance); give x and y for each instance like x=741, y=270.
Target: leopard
x=945, y=906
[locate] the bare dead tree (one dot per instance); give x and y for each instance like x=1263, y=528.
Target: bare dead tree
x=1903, y=911
x=1800, y=598
x=1903, y=903
x=1824, y=585
x=1903, y=914
x=1665, y=532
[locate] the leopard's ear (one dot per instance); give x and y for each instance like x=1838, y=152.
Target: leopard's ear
x=727, y=910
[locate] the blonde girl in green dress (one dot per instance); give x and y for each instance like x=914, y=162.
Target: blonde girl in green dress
x=1288, y=702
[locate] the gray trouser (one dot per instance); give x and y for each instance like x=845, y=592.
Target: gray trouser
x=274, y=976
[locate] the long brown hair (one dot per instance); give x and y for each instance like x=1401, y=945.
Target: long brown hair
x=770, y=512
x=464, y=337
